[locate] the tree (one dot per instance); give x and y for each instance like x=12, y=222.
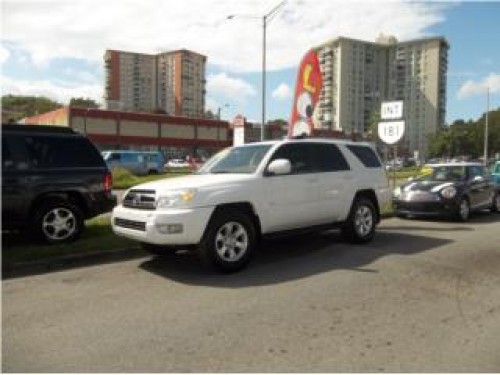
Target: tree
x=16, y=107
x=83, y=102
x=467, y=138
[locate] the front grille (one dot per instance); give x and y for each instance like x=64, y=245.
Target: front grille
x=419, y=196
x=130, y=224
x=140, y=199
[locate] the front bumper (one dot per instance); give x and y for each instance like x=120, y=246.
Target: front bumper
x=435, y=208
x=150, y=225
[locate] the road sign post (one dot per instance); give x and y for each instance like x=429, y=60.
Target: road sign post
x=391, y=132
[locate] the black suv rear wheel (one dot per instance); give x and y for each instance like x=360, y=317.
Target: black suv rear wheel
x=57, y=221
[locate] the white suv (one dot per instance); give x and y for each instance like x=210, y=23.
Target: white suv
x=254, y=190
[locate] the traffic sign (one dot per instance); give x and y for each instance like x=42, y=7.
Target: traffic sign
x=391, y=131
x=391, y=110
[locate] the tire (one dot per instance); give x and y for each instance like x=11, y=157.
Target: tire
x=159, y=250
x=495, y=205
x=463, y=210
x=360, y=224
x=57, y=221
x=229, y=241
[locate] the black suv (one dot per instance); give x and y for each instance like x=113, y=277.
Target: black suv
x=53, y=179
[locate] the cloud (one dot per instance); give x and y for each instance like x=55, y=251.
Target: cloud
x=61, y=91
x=282, y=92
x=47, y=30
x=4, y=54
x=473, y=88
x=229, y=88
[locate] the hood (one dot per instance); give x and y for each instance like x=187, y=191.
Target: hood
x=193, y=181
x=427, y=186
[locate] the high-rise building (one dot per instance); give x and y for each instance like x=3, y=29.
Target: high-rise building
x=172, y=81
x=359, y=75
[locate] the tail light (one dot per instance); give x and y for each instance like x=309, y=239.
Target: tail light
x=108, y=182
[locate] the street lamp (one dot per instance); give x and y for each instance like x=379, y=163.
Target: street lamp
x=219, y=110
x=218, y=118
x=486, y=127
x=266, y=19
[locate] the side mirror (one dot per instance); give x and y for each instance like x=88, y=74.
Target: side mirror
x=478, y=179
x=279, y=167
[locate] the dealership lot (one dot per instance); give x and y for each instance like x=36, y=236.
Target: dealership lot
x=424, y=296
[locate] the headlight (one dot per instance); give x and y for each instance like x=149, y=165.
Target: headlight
x=448, y=192
x=175, y=198
x=397, y=192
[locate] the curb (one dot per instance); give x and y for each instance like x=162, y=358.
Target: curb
x=65, y=262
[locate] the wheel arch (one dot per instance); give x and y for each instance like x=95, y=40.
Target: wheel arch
x=245, y=207
x=72, y=196
x=370, y=195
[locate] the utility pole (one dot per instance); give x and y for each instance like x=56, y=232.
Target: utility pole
x=486, y=127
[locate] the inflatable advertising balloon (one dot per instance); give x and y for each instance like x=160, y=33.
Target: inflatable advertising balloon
x=307, y=93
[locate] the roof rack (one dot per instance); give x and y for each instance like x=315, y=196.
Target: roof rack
x=300, y=136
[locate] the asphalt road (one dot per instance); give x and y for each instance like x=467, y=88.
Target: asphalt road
x=423, y=297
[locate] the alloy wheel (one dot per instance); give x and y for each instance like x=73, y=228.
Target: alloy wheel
x=231, y=241
x=363, y=220
x=59, y=223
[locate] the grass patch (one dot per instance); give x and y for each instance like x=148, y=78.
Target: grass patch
x=123, y=179
x=96, y=237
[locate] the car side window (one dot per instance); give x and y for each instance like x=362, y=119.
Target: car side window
x=299, y=155
x=475, y=171
x=366, y=155
x=114, y=156
x=62, y=152
x=328, y=158
x=7, y=158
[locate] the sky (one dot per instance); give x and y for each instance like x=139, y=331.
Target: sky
x=55, y=48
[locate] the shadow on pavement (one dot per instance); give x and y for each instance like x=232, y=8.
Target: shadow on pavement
x=443, y=224
x=294, y=258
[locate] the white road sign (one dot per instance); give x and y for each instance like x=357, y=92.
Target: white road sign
x=391, y=132
x=239, y=136
x=391, y=110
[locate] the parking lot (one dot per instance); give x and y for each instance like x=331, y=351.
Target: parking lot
x=424, y=296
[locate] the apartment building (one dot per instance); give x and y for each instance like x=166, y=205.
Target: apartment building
x=172, y=81
x=359, y=75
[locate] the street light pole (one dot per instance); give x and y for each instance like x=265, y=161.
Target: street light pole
x=486, y=127
x=265, y=20
x=264, y=24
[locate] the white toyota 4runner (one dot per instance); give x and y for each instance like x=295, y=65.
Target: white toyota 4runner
x=254, y=190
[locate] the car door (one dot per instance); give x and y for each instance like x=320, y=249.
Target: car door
x=293, y=200
x=15, y=181
x=480, y=186
x=335, y=183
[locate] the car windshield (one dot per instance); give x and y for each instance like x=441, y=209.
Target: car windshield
x=243, y=159
x=443, y=173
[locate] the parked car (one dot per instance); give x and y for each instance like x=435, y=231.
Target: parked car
x=495, y=173
x=52, y=180
x=155, y=162
x=449, y=189
x=392, y=165
x=133, y=161
x=255, y=190
x=177, y=163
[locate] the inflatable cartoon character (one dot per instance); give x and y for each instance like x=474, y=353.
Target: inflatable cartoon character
x=307, y=93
